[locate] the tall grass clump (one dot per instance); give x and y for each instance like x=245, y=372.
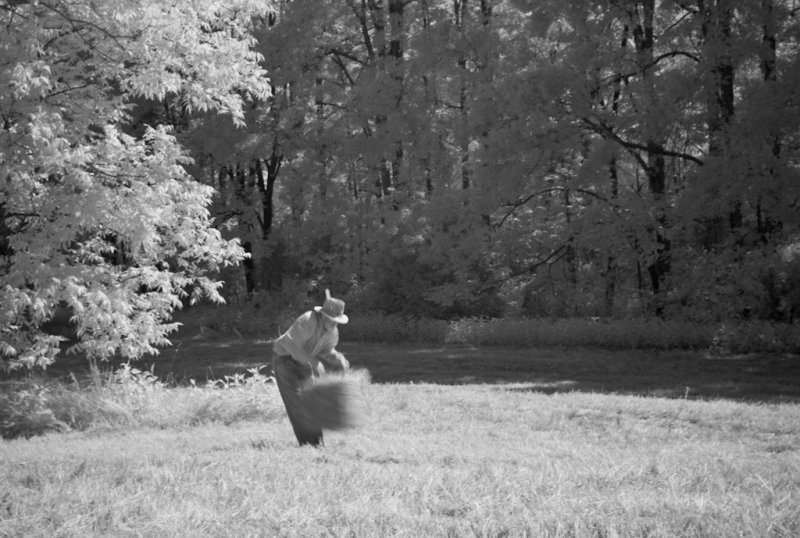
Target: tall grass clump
x=31, y=408
x=129, y=397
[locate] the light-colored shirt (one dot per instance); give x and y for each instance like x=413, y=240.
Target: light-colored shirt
x=308, y=333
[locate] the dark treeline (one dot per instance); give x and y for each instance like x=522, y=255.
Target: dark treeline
x=453, y=158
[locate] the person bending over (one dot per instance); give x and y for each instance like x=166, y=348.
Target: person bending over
x=308, y=349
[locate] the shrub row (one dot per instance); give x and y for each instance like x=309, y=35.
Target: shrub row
x=744, y=337
x=719, y=338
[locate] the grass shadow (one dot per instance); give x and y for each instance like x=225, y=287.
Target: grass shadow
x=669, y=374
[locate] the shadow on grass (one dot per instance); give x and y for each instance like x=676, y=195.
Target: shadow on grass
x=669, y=374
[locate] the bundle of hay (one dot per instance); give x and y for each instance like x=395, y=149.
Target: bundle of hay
x=337, y=401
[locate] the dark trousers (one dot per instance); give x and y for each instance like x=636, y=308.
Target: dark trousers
x=291, y=375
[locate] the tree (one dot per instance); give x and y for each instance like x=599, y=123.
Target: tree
x=685, y=110
x=96, y=219
x=602, y=155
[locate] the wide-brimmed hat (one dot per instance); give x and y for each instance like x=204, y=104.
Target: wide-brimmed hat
x=333, y=309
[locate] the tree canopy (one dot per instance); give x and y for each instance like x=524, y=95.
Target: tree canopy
x=572, y=158
x=95, y=217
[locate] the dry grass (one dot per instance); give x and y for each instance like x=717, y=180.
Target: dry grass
x=474, y=460
x=509, y=442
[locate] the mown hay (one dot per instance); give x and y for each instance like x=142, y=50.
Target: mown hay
x=337, y=401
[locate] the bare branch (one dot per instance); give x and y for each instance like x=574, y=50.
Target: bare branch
x=337, y=59
x=553, y=257
x=77, y=22
x=516, y=204
x=608, y=132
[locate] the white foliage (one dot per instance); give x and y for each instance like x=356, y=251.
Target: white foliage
x=92, y=219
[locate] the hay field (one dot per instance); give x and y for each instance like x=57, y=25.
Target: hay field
x=475, y=457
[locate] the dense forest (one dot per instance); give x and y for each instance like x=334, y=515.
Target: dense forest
x=616, y=158
x=579, y=158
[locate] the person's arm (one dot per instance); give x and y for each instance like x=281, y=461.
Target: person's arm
x=334, y=360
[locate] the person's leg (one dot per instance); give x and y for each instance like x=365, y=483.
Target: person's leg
x=290, y=376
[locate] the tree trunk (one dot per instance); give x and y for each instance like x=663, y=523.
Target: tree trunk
x=249, y=268
x=716, y=27
x=266, y=185
x=460, y=13
x=570, y=255
x=643, y=35
x=396, y=52
x=611, y=268
x=716, y=20
x=766, y=225
x=322, y=149
x=5, y=235
x=389, y=55
x=611, y=259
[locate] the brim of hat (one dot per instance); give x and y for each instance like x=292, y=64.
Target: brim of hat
x=338, y=319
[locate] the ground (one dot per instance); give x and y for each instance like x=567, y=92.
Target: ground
x=460, y=441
